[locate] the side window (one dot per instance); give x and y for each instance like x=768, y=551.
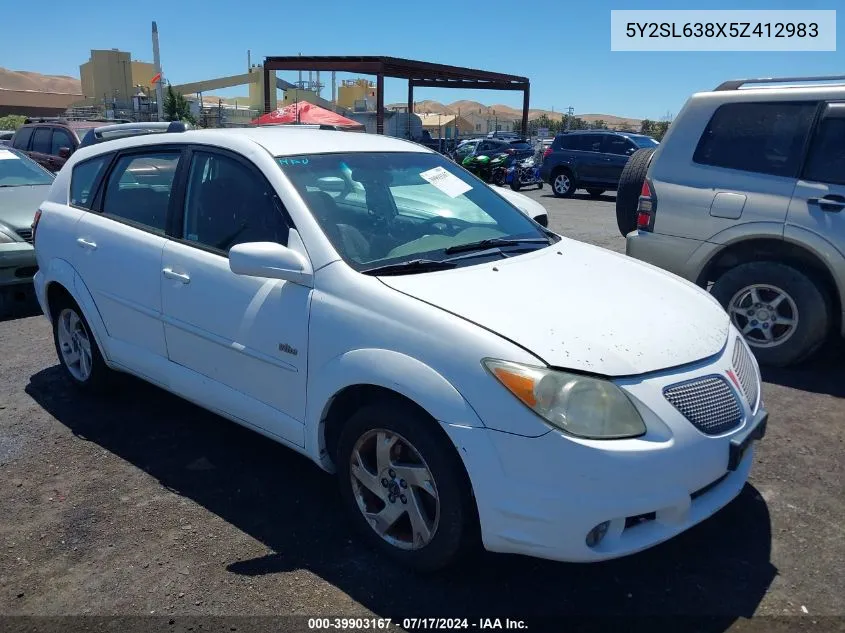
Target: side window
x=826, y=160
x=60, y=139
x=82, y=181
x=766, y=138
x=22, y=137
x=617, y=145
x=41, y=140
x=138, y=189
x=228, y=203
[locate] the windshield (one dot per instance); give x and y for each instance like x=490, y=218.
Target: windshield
x=19, y=171
x=644, y=141
x=384, y=208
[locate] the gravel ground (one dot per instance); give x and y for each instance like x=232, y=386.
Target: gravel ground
x=139, y=503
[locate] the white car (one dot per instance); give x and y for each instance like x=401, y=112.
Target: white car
x=370, y=304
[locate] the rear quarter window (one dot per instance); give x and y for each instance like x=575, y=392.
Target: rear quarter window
x=765, y=138
x=21, y=138
x=83, y=181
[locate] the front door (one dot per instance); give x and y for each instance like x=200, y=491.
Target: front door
x=818, y=203
x=243, y=340
x=118, y=256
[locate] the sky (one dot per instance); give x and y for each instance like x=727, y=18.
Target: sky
x=562, y=47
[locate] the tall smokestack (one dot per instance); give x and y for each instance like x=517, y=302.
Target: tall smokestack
x=334, y=90
x=248, y=59
x=157, y=64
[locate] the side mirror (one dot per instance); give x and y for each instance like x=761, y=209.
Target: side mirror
x=269, y=259
x=64, y=152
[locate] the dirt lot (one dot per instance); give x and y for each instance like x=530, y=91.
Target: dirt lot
x=143, y=504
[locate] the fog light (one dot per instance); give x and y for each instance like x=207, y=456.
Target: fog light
x=595, y=536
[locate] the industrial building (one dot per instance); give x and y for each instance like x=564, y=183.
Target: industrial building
x=113, y=78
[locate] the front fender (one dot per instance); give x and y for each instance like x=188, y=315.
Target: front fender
x=61, y=272
x=388, y=369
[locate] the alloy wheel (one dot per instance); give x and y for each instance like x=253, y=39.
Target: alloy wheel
x=766, y=315
x=562, y=183
x=394, y=489
x=74, y=344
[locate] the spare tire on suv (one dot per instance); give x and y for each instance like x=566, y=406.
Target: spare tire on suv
x=628, y=193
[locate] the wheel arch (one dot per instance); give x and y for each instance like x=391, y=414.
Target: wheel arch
x=61, y=279
x=358, y=377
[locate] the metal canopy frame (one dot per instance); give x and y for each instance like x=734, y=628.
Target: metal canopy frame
x=419, y=75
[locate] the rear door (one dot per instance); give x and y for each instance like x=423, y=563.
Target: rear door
x=40, y=146
x=818, y=204
x=588, y=159
x=616, y=150
x=119, y=250
x=61, y=142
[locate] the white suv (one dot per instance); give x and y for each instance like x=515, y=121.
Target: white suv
x=374, y=306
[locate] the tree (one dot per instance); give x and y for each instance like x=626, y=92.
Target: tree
x=11, y=121
x=176, y=107
x=599, y=124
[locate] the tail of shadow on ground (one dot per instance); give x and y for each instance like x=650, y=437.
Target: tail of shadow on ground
x=721, y=569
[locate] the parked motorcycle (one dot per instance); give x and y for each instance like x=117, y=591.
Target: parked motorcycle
x=524, y=173
x=499, y=166
x=480, y=165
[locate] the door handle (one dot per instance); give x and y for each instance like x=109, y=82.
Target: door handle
x=169, y=273
x=832, y=203
x=81, y=241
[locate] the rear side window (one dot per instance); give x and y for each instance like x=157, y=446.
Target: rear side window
x=83, y=179
x=587, y=142
x=138, y=189
x=618, y=145
x=22, y=137
x=826, y=160
x=41, y=140
x=767, y=138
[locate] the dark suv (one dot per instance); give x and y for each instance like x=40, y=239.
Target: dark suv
x=591, y=160
x=50, y=142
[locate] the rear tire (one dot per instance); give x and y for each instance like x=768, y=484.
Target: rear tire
x=783, y=314
x=422, y=451
x=595, y=193
x=515, y=185
x=563, y=184
x=628, y=191
x=76, y=347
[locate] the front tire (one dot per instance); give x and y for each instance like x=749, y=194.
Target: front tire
x=77, y=348
x=783, y=314
x=563, y=185
x=404, y=486
x=515, y=185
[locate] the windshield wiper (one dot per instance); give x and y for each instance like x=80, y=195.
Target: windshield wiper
x=493, y=242
x=410, y=267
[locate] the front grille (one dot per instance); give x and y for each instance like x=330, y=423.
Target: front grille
x=709, y=403
x=744, y=368
x=26, y=234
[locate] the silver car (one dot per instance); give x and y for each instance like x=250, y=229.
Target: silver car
x=745, y=196
x=23, y=187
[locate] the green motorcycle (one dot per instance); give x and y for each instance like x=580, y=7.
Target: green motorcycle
x=484, y=165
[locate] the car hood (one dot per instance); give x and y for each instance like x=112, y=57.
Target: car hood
x=19, y=204
x=580, y=307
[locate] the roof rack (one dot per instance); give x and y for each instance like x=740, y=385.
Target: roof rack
x=124, y=130
x=736, y=84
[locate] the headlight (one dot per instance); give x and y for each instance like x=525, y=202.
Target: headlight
x=585, y=407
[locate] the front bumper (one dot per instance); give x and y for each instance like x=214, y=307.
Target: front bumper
x=542, y=496
x=17, y=263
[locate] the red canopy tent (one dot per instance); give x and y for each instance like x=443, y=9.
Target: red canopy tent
x=309, y=114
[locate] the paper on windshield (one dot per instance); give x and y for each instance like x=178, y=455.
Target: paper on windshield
x=448, y=183
x=7, y=155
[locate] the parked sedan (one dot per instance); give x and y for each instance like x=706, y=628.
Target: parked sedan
x=23, y=186
x=370, y=304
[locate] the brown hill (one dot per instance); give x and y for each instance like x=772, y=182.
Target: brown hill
x=25, y=80
x=466, y=107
